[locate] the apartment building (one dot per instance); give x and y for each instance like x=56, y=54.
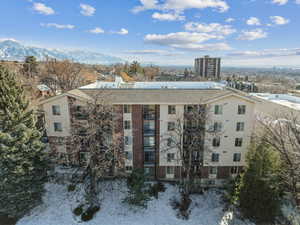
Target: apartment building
x=207, y=67
x=148, y=113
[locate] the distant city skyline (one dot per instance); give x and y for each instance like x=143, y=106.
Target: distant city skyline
x=254, y=33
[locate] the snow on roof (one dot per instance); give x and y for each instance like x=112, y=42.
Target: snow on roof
x=282, y=99
x=120, y=84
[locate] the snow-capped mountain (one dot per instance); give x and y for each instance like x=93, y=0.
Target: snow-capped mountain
x=13, y=50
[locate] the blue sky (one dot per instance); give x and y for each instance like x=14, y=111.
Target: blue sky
x=174, y=32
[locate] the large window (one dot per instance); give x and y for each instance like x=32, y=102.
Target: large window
x=170, y=170
x=170, y=157
x=241, y=109
x=149, y=127
x=213, y=170
x=57, y=127
x=149, y=157
x=216, y=141
x=171, y=126
x=215, y=157
x=171, y=109
x=127, y=108
x=127, y=125
x=240, y=126
x=149, y=141
x=56, y=110
x=238, y=142
x=218, y=109
x=127, y=140
x=236, y=157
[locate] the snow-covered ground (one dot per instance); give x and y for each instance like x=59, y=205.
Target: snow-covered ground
x=57, y=208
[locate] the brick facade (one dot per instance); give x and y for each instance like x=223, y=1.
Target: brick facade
x=137, y=130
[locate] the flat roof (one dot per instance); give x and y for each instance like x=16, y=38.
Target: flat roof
x=155, y=85
x=288, y=100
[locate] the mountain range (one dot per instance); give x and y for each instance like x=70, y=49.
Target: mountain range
x=15, y=51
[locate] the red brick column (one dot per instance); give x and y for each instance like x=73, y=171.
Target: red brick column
x=137, y=130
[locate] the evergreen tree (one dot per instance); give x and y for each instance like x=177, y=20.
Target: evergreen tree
x=258, y=191
x=23, y=166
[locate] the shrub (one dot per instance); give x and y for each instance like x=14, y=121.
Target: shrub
x=156, y=188
x=89, y=213
x=78, y=210
x=71, y=187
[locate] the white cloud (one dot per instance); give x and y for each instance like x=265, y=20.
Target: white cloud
x=123, y=31
x=251, y=35
x=187, y=41
x=181, y=5
x=153, y=52
x=87, y=10
x=215, y=28
x=97, y=30
x=168, y=16
x=280, y=2
x=43, y=9
x=297, y=2
x=229, y=20
x=279, y=20
x=253, y=21
x=58, y=26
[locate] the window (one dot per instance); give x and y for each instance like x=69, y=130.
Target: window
x=216, y=141
x=218, y=109
x=213, y=170
x=215, y=157
x=236, y=157
x=127, y=125
x=56, y=110
x=217, y=127
x=127, y=108
x=149, y=127
x=240, y=126
x=238, y=142
x=57, y=127
x=170, y=170
x=241, y=109
x=171, y=126
x=128, y=155
x=128, y=168
x=171, y=109
x=169, y=142
x=149, y=157
x=234, y=170
x=127, y=140
x=170, y=157
x=149, y=141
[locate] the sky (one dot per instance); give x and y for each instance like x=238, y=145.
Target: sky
x=259, y=33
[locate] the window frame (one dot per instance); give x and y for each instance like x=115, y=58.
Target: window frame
x=238, y=126
x=241, y=109
x=218, y=110
x=237, y=159
x=127, y=109
x=55, y=127
x=56, y=112
x=127, y=125
x=218, y=143
x=171, y=127
x=238, y=142
x=171, y=109
x=213, y=159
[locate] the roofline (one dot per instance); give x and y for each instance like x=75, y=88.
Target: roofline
x=60, y=96
x=152, y=89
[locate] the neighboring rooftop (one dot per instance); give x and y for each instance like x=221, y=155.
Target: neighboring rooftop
x=120, y=84
x=282, y=99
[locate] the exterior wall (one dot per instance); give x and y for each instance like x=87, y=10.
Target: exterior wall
x=63, y=118
x=128, y=133
x=229, y=119
x=137, y=126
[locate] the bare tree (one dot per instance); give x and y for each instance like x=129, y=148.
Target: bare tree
x=61, y=75
x=186, y=137
x=283, y=134
x=96, y=144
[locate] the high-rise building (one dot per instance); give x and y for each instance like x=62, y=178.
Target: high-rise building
x=208, y=67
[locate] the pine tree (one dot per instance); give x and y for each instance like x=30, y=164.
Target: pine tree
x=259, y=189
x=23, y=165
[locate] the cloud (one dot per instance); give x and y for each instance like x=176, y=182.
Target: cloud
x=215, y=28
x=168, y=16
x=280, y=2
x=297, y=2
x=180, y=5
x=187, y=41
x=123, y=31
x=279, y=20
x=229, y=20
x=87, y=10
x=43, y=9
x=58, y=26
x=267, y=53
x=97, y=30
x=253, y=21
x=251, y=35
x=153, y=52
